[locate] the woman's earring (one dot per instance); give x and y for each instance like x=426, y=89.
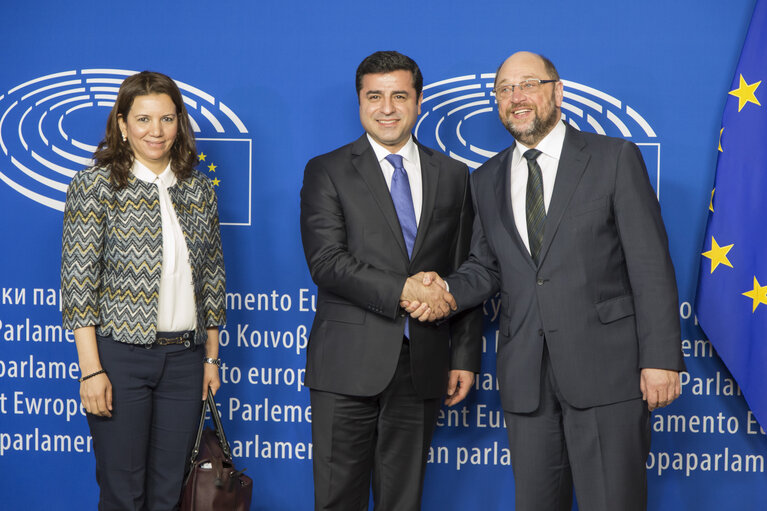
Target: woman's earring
x=125, y=139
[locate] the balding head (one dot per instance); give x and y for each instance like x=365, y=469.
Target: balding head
x=532, y=113
x=529, y=60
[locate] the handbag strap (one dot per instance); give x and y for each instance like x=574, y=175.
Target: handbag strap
x=210, y=404
x=219, y=427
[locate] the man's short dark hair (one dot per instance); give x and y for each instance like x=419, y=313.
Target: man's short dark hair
x=386, y=62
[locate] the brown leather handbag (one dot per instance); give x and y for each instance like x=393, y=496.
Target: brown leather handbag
x=213, y=483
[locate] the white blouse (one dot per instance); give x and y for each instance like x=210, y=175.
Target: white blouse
x=176, y=308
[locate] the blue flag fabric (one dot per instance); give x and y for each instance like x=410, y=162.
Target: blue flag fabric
x=732, y=289
x=227, y=162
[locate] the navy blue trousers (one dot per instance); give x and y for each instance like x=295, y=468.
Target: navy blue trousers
x=142, y=451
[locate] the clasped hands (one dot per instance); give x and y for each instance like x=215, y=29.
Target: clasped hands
x=425, y=301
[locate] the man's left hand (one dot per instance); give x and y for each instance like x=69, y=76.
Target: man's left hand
x=659, y=387
x=458, y=386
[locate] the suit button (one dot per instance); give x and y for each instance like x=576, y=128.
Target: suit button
x=540, y=332
x=539, y=282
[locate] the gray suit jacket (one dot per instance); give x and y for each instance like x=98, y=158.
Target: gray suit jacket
x=356, y=254
x=111, y=255
x=604, y=295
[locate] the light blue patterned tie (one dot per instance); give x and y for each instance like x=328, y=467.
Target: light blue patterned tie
x=403, y=203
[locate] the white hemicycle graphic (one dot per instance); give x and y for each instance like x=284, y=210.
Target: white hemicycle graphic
x=460, y=116
x=50, y=126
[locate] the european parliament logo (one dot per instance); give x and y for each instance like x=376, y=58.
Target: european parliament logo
x=460, y=116
x=50, y=127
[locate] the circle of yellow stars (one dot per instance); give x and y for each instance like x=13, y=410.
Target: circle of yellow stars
x=746, y=93
x=211, y=168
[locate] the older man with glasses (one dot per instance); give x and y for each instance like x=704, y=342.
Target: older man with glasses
x=569, y=230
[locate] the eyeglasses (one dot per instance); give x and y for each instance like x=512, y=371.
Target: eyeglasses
x=526, y=87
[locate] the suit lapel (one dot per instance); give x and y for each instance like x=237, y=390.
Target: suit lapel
x=572, y=164
x=364, y=160
x=503, y=196
x=430, y=185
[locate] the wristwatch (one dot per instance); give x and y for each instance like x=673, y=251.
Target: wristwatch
x=214, y=361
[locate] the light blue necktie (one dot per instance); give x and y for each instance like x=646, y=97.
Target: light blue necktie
x=403, y=203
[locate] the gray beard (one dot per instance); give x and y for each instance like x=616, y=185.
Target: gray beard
x=537, y=130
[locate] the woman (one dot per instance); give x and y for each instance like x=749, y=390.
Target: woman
x=142, y=279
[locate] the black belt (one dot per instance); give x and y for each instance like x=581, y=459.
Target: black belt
x=166, y=338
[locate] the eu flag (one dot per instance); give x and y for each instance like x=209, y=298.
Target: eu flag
x=227, y=162
x=732, y=290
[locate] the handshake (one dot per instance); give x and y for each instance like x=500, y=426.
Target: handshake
x=426, y=298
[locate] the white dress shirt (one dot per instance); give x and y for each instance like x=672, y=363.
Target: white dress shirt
x=412, y=163
x=548, y=160
x=176, y=308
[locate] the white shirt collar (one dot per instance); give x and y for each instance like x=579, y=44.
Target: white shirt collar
x=167, y=177
x=408, y=151
x=551, y=145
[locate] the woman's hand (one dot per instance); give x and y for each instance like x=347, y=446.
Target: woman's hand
x=210, y=380
x=210, y=373
x=96, y=395
x=96, y=391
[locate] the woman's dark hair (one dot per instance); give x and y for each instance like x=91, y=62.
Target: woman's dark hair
x=116, y=155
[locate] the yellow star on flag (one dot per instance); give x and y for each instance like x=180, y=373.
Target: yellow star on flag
x=211, y=168
x=758, y=295
x=718, y=255
x=216, y=181
x=201, y=156
x=746, y=93
x=711, y=202
x=720, y=140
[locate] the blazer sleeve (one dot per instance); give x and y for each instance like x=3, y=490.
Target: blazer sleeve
x=332, y=266
x=214, y=277
x=478, y=278
x=651, y=272
x=81, y=249
x=466, y=326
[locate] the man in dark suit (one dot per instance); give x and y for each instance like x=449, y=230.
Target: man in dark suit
x=569, y=230
x=372, y=213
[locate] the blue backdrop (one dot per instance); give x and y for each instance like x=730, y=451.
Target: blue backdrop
x=270, y=85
